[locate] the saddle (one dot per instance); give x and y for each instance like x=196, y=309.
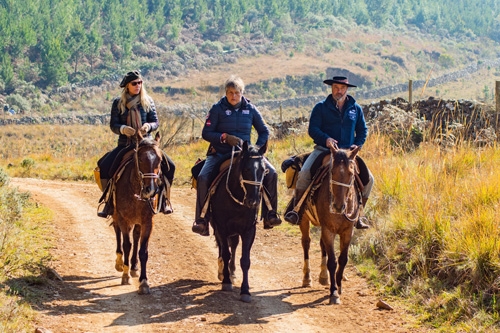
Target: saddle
x=119, y=165
x=293, y=165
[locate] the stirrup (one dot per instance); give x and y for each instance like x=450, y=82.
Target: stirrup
x=292, y=217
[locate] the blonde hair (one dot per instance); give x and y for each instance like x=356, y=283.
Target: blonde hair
x=145, y=99
x=234, y=82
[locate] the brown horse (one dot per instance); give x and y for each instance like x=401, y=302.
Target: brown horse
x=136, y=189
x=332, y=204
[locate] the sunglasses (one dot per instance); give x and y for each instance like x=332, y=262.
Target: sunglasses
x=134, y=83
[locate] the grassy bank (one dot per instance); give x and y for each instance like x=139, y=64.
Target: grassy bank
x=433, y=245
x=24, y=254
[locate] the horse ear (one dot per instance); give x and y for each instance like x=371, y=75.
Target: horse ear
x=245, y=146
x=157, y=136
x=353, y=153
x=263, y=149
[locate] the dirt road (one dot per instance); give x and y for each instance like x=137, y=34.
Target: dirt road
x=185, y=294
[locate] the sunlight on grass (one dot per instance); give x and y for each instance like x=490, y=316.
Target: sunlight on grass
x=435, y=211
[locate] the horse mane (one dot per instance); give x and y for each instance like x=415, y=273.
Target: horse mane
x=148, y=142
x=340, y=157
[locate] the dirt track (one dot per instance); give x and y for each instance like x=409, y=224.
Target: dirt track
x=182, y=269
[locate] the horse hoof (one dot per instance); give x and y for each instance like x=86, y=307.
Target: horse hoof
x=245, y=298
x=335, y=300
x=306, y=283
x=324, y=281
x=134, y=273
x=125, y=280
x=144, y=288
x=227, y=287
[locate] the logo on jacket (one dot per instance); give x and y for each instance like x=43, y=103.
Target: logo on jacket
x=245, y=111
x=228, y=112
x=352, y=114
x=208, y=122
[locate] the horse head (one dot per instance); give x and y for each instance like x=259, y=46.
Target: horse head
x=148, y=158
x=342, y=174
x=252, y=170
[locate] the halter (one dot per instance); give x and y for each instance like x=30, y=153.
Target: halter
x=243, y=181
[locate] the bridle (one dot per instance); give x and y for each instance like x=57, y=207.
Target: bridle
x=337, y=183
x=142, y=176
x=242, y=181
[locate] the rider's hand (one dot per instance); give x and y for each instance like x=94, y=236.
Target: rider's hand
x=331, y=143
x=233, y=140
x=128, y=131
x=145, y=128
x=352, y=147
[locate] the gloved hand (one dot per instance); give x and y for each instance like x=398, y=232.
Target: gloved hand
x=128, y=131
x=145, y=128
x=233, y=140
x=331, y=143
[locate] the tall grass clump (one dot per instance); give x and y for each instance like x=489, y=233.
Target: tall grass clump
x=437, y=229
x=23, y=256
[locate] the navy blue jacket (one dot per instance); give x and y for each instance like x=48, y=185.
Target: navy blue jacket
x=347, y=127
x=222, y=118
x=117, y=120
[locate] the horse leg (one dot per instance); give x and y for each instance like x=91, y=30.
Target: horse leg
x=143, y=257
x=220, y=262
x=247, y=240
x=126, y=253
x=135, y=248
x=345, y=241
x=327, y=237
x=323, y=275
x=226, y=256
x=233, y=244
x=306, y=244
x=119, y=252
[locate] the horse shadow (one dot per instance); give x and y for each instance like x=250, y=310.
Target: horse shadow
x=168, y=303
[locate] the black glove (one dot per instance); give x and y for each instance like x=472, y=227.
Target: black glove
x=233, y=140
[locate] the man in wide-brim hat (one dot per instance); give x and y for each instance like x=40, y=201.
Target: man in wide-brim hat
x=336, y=121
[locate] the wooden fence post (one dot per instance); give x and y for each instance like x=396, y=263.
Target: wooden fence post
x=410, y=93
x=497, y=102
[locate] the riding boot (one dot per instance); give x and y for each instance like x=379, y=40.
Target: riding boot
x=271, y=217
x=165, y=205
x=362, y=221
x=294, y=217
x=200, y=226
x=108, y=194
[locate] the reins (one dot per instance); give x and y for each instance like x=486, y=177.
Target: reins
x=242, y=181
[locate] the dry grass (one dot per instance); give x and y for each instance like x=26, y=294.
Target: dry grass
x=435, y=211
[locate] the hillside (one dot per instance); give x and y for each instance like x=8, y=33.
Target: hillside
x=374, y=59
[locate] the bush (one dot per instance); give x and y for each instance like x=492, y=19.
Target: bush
x=19, y=101
x=4, y=178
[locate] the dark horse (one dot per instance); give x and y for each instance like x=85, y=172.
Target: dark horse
x=234, y=206
x=332, y=204
x=137, y=186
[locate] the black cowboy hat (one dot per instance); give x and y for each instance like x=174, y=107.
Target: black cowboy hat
x=129, y=77
x=339, y=80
